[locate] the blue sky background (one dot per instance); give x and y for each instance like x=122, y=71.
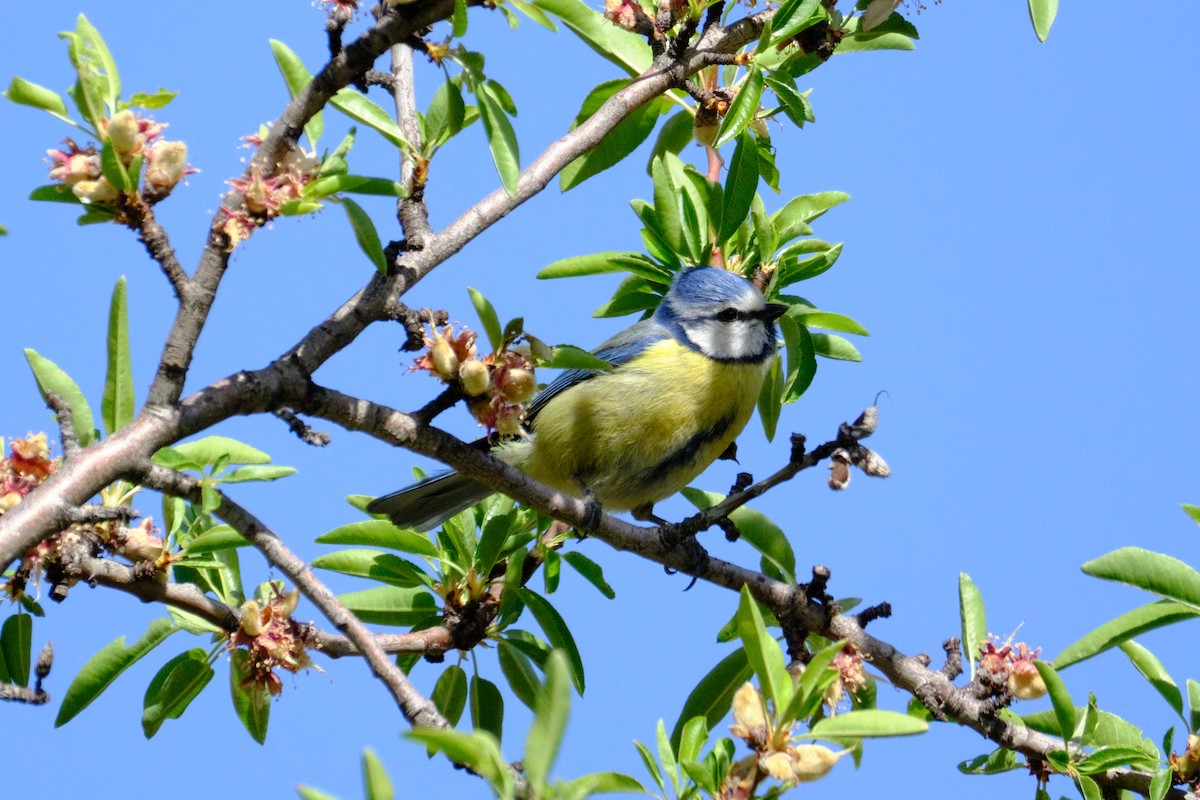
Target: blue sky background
x=1020, y=244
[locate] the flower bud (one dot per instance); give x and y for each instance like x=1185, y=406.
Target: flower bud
x=812, y=762
x=474, y=377
x=251, y=622
x=445, y=362
x=97, y=191
x=519, y=385
x=759, y=126
x=287, y=604
x=749, y=717
x=777, y=764
x=165, y=165
x=123, y=134
x=1025, y=682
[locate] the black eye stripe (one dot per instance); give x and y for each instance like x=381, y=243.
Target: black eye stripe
x=730, y=314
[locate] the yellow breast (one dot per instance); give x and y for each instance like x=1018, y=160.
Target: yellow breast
x=643, y=431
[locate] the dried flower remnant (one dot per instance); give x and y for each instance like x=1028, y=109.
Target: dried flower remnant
x=273, y=640
x=1013, y=665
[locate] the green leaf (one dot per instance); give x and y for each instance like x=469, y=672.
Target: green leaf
x=31, y=94
x=673, y=136
x=740, y=186
x=551, y=709
x=266, y=472
x=1192, y=511
x=591, y=572
x=1161, y=783
x=360, y=109
x=119, y=404
x=974, y=619
x=602, y=783
x=830, y=322
x=1060, y=698
x=391, y=605
x=794, y=16
x=251, y=700
x=488, y=318
x=566, y=356
x=150, y=102
x=742, y=109
x=502, y=139
x=801, y=358
x=713, y=695
x=365, y=234
x=297, y=78
x=866, y=723
x=1152, y=670
x=792, y=220
x=1042, y=14
x=101, y=60
x=757, y=530
x=619, y=142
x=381, y=533
x=487, y=706
x=332, y=184
x=770, y=398
x=1130, y=624
x=1105, y=758
x=1193, y=689
x=104, y=667
x=477, y=751
x=992, y=763
x=219, y=537
x=450, y=693
x=447, y=114
x=54, y=193
x=763, y=653
x=833, y=346
x=309, y=793
x=794, y=104
x=173, y=688
x=818, y=676
x=557, y=632
x=209, y=450
x=519, y=672
x=625, y=49
x=376, y=784
x=666, y=206
x=51, y=379
x=377, y=187
x=387, y=568
x=458, y=19
x=1154, y=572
x=16, y=642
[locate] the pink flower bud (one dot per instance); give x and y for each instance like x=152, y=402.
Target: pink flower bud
x=123, y=131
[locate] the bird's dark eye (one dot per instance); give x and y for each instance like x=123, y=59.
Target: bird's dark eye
x=729, y=315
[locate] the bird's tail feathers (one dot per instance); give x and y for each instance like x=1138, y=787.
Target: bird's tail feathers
x=430, y=502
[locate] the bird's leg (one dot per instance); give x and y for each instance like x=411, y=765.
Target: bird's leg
x=646, y=514
x=593, y=511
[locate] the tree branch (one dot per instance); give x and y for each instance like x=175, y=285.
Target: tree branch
x=418, y=710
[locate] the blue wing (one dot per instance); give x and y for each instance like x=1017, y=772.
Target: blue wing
x=620, y=349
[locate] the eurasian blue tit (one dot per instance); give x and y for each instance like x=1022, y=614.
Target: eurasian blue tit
x=684, y=383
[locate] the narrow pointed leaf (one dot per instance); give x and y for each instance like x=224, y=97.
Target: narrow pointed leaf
x=16, y=642
x=551, y=708
x=557, y=632
x=974, y=618
x=1060, y=698
x=174, y=688
x=625, y=49
x=1130, y=624
x=104, y=667
x=763, y=652
x=365, y=234
x=356, y=106
x=118, y=405
x=487, y=707
x=740, y=186
x=1154, y=572
x=867, y=723
x=28, y=93
x=1042, y=14
x=51, y=379
x=1152, y=670
x=742, y=109
x=502, y=139
x=487, y=317
x=391, y=605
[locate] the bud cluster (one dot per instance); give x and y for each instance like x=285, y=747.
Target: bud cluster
x=261, y=195
x=273, y=640
x=1012, y=667
x=496, y=386
x=775, y=755
x=137, y=143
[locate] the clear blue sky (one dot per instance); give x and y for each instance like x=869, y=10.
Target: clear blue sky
x=1020, y=244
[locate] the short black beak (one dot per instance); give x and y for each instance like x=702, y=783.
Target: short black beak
x=774, y=311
